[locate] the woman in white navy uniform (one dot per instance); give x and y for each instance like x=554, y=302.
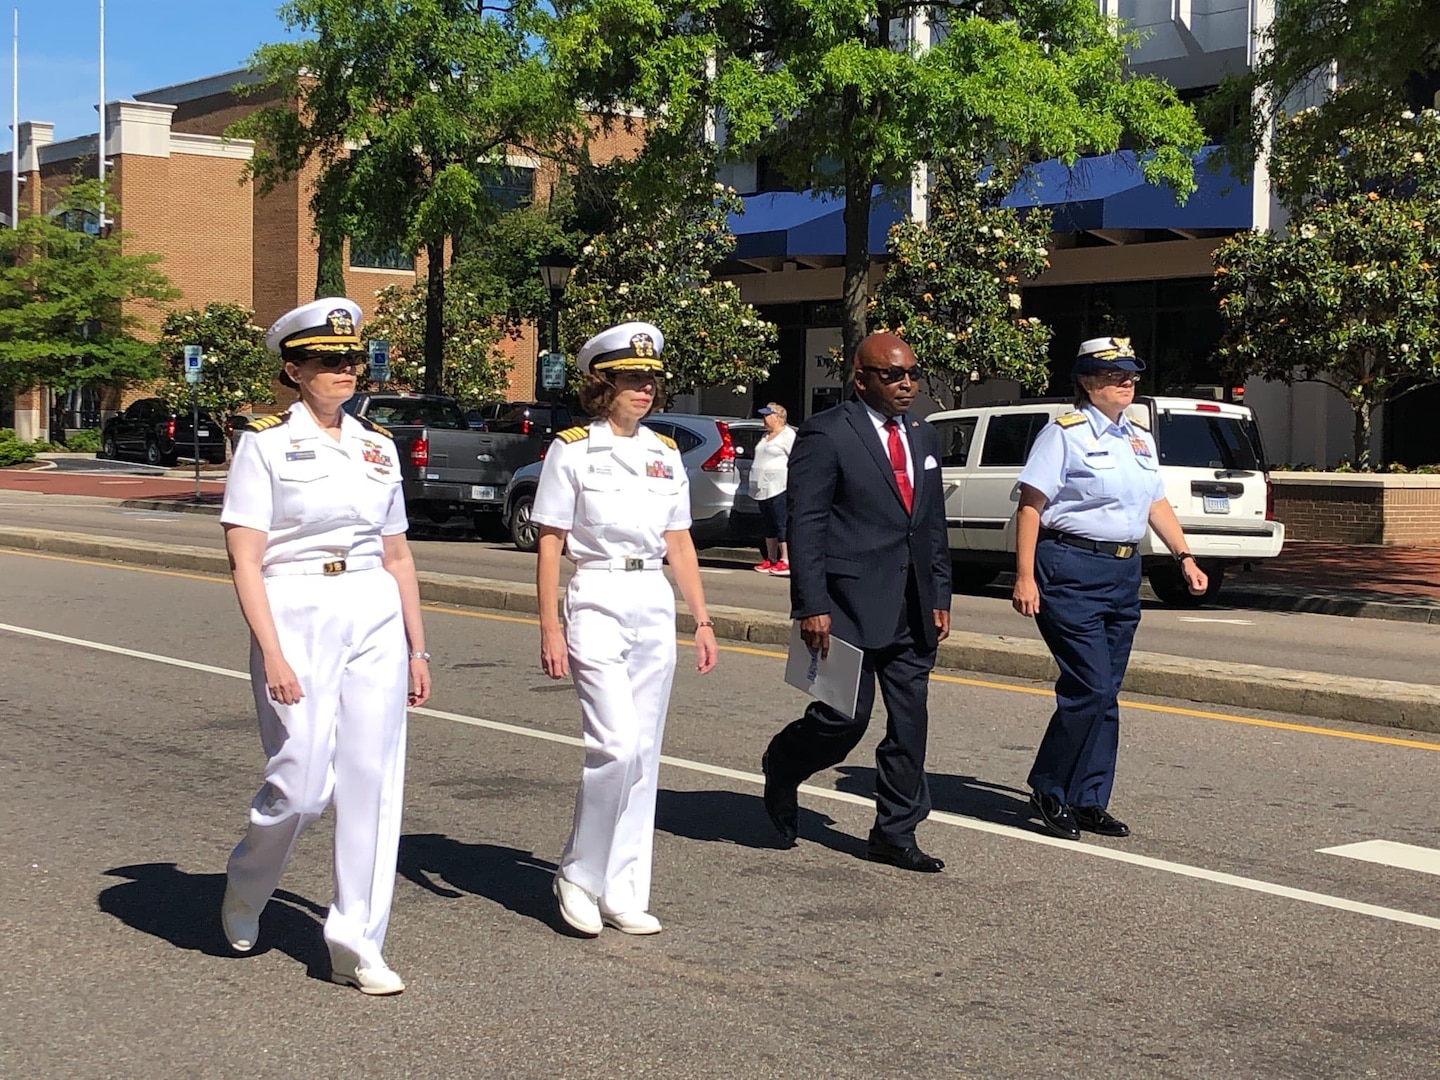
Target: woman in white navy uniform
x=615, y=498
x=1089, y=489
x=315, y=527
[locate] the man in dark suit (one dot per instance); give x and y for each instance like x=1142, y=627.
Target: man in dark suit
x=869, y=562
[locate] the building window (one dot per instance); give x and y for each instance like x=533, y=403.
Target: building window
x=370, y=254
x=511, y=186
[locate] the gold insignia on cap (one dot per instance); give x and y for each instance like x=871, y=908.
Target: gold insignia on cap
x=341, y=324
x=644, y=345
x=1121, y=348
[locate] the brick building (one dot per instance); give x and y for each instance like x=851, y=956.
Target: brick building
x=180, y=185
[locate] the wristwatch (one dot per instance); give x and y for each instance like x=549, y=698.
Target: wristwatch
x=419, y=656
x=1181, y=556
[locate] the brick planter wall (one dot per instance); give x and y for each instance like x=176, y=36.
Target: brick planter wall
x=1349, y=508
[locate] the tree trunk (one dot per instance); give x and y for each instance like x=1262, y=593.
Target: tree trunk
x=855, y=293
x=330, y=268
x=1362, y=434
x=434, y=316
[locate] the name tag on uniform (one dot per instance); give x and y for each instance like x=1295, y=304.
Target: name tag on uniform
x=1140, y=446
x=659, y=470
x=1097, y=453
x=601, y=470
x=300, y=455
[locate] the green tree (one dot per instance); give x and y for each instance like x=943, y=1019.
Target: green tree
x=430, y=94
x=1350, y=296
x=71, y=298
x=825, y=92
x=474, y=370
x=238, y=369
x=953, y=291
x=656, y=266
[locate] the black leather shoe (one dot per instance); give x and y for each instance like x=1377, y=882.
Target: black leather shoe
x=782, y=804
x=1055, y=816
x=1096, y=819
x=878, y=849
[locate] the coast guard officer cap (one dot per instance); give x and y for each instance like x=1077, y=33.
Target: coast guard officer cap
x=1106, y=354
x=631, y=346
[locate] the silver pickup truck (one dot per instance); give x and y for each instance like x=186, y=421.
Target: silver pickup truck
x=449, y=470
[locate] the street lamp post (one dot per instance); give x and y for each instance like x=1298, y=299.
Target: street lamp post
x=555, y=270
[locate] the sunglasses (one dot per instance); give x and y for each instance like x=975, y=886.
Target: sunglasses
x=892, y=375
x=1118, y=378
x=342, y=361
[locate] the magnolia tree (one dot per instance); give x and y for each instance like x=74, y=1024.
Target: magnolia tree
x=953, y=290
x=1350, y=295
x=657, y=267
x=473, y=370
x=238, y=370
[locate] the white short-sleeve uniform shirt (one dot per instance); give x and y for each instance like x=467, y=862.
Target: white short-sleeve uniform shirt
x=317, y=499
x=617, y=497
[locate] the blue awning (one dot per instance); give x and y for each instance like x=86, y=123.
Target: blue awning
x=785, y=224
x=1105, y=192
x=1110, y=192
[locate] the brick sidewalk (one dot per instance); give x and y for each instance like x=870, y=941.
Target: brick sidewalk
x=104, y=485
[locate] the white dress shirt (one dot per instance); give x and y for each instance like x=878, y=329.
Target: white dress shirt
x=879, y=422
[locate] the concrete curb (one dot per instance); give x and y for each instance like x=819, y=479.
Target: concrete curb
x=172, y=506
x=1246, y=686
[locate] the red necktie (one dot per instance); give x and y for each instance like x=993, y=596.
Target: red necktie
x=897, y=464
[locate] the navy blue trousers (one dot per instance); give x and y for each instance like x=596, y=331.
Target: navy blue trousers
x=1089, y=609
x=822, y=738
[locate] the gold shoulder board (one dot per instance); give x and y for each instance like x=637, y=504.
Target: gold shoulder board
x=1070, y=419
x=370, y=425
x=1140, y=420
x=668, y=441
x=574, y=434
x=264, y=423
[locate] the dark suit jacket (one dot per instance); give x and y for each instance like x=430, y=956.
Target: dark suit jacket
x=851, y=542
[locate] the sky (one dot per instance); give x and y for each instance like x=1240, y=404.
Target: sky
x=149, y=44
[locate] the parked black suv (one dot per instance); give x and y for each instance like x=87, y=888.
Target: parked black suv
x=148, y=429
x=539, y=418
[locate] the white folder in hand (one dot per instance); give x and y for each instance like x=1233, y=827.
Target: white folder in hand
x=835, y=680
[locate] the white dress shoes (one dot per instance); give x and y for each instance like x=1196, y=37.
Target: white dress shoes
x=376, y=981
x=241, y=928
x=632, y=922
x=578, y=907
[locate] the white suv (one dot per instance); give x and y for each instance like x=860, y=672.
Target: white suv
x=1211, y=459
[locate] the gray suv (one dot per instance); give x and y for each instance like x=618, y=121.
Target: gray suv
x=709, y=454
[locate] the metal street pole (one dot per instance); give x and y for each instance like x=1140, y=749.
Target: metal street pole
x=554, y=327
x=195, y=431
x=15, y=128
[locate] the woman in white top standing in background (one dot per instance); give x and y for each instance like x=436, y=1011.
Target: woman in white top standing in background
x=768, y=474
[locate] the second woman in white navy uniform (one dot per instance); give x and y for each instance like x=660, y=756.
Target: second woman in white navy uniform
x=315, y=527
x=615, y=499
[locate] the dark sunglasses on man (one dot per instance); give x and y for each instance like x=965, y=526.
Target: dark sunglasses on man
x=891, y=375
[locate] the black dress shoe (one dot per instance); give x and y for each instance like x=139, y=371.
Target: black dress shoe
x=782, y=804
x=878, y=849
x=1096, y=819
x=1055, y=816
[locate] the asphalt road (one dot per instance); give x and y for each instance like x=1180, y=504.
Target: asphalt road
x=1227, y=944
x=1371, y=648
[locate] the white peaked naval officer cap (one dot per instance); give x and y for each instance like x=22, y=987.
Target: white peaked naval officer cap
x=1107, y=354
x=631, y=346
x=328, y=325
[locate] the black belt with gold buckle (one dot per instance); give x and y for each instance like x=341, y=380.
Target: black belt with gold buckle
x=333, y=568
x=1101, y=547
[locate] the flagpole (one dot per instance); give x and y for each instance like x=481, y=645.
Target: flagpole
x=100, y=156
x=15, y=129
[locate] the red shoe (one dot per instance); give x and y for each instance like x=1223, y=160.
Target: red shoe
x=765, y=567
x=780, y=569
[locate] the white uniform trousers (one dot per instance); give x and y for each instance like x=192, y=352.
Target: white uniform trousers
x=345, y=639
x=621, y=638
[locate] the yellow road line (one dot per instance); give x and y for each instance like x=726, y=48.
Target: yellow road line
x=1415, y=743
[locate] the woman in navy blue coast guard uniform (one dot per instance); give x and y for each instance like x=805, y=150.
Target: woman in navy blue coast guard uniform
x=614, y=496
x=1088, y=490
x=315, y=527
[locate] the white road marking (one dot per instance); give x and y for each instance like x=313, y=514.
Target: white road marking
x=715, y=570
x=1390, y=853
x=1233, y=622
x=1268, y=888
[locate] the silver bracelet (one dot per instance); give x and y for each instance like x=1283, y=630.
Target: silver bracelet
x=420, y=656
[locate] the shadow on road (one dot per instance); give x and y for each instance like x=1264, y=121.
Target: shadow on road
x=730, y=817
x=514, y=879
x=969, y=796
x=184, y=909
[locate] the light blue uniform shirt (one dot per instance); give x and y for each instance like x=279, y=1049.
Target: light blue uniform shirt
x=1099, y=479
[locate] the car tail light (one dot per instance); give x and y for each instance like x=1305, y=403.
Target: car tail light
x=170, y=428
x=524, y=427
x=723, y=459
x=1269, y=500
x=1203, y=407
x=420, y=453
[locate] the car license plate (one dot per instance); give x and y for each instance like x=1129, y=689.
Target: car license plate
x=204, y=433
x=1217, y=504
x=482, y=494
